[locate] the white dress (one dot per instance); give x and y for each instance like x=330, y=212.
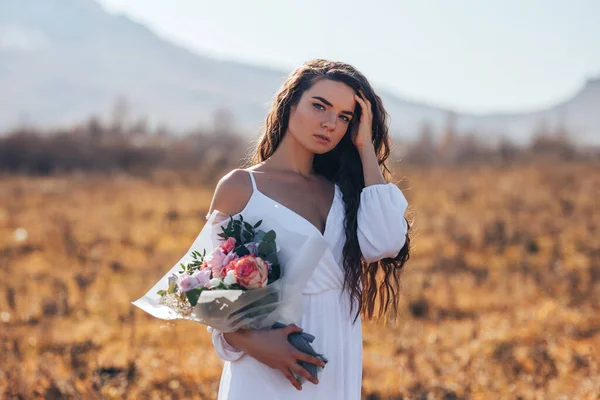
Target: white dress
x=381, y=233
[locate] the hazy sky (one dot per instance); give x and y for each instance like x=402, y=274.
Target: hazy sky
x=473, y=55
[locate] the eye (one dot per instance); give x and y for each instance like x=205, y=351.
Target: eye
x=344, y=118
x=318, y=106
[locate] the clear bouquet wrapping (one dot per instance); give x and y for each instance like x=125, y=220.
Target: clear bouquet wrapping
x=251, y=279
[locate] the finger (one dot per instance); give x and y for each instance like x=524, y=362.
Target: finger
x=299, y=370
x=366, y=100
x=292, y=328
x=361, y=102
x=364, y=105
x=308, y=358
x=359, y=99
x=290, y=376
x=364, y=96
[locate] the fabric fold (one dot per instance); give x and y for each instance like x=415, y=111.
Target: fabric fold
x=382, y=227
x=224, y=350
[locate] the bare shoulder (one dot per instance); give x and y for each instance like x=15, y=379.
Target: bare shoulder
x=232, y=192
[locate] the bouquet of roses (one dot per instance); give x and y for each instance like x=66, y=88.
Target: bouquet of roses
x=242, y=276
x=239, y=284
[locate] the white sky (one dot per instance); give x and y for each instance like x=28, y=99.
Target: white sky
x=471, y=55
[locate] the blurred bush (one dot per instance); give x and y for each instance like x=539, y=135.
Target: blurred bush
x=134, y=148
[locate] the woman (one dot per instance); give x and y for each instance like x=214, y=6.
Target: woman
x=320, y=166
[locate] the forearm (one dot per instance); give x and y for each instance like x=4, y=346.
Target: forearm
x=237, y=339
x=371, y=170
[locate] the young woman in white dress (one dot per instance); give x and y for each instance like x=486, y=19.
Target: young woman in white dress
x=320, y=166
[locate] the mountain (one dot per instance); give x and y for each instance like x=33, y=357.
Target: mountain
x=579, y=116
x=64, y=60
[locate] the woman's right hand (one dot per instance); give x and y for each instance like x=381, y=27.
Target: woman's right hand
x=271, y=347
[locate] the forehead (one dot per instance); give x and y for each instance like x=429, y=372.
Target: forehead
x=337, y=93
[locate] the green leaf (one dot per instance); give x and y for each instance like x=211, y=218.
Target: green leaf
x=275, y=273
x=257, y=224
x=193, y=295
x=172, y=286
x=272, y=258
x=196, y=254
x=270, y=236
x=161, y=292
x=242, y=251
x=266, y=248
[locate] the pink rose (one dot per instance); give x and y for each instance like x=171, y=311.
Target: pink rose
x=251, y=272
x=228, y=264
x=187, y=282
x=202, y=276
x=228, y=245
x=218, y=260
x=214, y=261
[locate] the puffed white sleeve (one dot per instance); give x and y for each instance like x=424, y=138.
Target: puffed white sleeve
x=225, y=351
x=382, y=227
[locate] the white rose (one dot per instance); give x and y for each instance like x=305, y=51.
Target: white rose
x=214, y=282
x=230, y=278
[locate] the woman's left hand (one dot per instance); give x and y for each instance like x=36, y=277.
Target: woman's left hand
x=363, y=135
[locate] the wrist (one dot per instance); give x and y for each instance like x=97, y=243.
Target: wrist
x=235, y=339
x=366, y=149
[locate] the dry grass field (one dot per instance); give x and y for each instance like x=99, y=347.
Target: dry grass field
x=501, y=297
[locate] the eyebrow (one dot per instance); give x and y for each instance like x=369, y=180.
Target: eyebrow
x=331, y=105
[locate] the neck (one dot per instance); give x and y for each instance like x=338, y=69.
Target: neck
x=291, y=156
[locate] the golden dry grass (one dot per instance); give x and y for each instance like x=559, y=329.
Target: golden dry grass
x=501, y=296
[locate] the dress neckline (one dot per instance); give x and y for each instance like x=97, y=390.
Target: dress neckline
x=333, y=202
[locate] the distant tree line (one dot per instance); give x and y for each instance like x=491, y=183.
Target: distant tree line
x=457, y=148
x=122, y=145
x=98, y=147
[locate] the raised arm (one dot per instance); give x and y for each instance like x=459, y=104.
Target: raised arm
x=382, y=227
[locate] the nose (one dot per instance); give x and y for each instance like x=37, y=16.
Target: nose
x=329, y=122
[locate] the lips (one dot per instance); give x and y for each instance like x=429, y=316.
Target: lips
x=323, y=137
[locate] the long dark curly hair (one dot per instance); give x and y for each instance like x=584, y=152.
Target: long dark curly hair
x=380, y=280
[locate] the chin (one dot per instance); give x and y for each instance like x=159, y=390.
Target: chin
x=321, y=149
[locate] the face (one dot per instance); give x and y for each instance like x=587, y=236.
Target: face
x=322, y=116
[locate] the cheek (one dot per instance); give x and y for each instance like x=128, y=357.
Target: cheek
x=302, y=117
x=307, y=114
x=340, y=130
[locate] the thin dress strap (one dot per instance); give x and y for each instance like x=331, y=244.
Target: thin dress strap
x=253, y=181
